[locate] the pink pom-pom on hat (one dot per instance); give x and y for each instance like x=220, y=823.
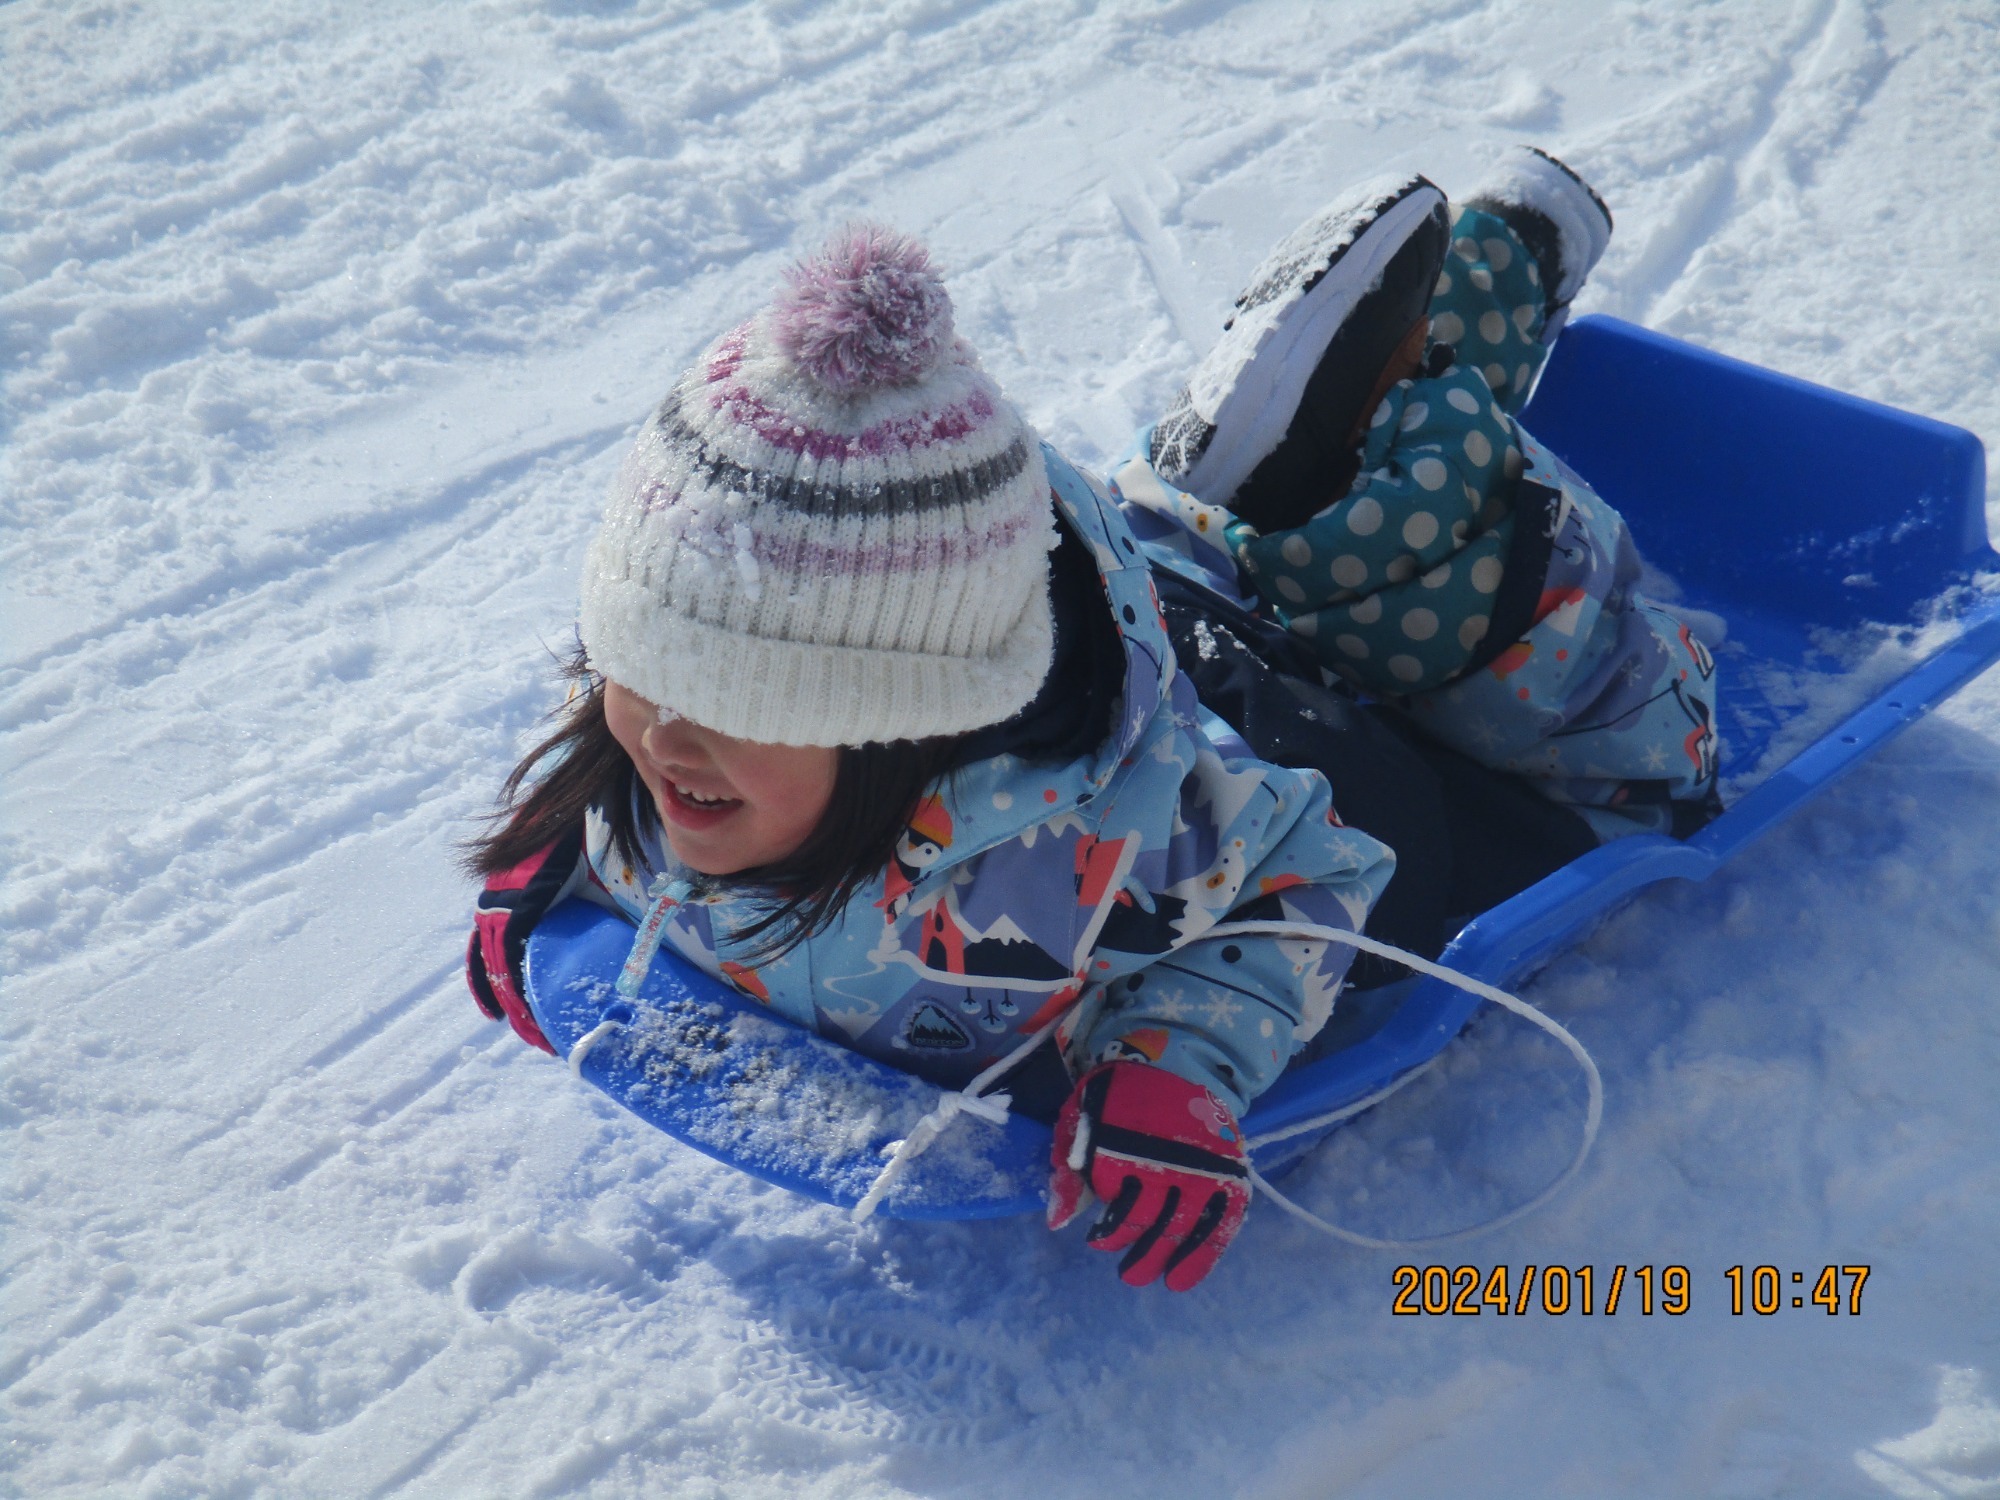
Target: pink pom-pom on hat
x=867, y=311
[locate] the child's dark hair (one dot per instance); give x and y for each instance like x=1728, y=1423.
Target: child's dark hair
x=875, y=791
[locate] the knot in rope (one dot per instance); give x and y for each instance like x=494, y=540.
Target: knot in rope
x=971, y=1100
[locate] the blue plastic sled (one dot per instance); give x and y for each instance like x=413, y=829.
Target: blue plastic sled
x=1783, y=507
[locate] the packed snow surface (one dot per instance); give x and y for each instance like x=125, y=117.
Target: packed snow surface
x=324, y=328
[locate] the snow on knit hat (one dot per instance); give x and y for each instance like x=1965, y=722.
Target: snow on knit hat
x=835, y=529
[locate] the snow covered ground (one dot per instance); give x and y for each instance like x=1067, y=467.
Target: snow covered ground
x=323, y=329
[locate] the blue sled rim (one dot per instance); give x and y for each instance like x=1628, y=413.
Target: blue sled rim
x=716, y=1071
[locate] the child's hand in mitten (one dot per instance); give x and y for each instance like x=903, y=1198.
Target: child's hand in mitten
x=1168, y=1160
x=510, y=906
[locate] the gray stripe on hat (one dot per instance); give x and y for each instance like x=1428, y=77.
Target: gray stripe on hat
x=954, y=487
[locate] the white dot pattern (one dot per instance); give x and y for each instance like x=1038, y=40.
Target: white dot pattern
x=1409, y=560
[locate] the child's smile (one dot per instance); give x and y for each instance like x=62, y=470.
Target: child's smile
x=726, y=804
x=700, y=811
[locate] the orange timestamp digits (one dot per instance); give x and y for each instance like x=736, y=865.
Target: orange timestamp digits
x=1463, y=1291
x=1767, y=1289
x=1467, y=1291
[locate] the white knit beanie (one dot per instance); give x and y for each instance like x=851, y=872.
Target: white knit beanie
x=835, y=529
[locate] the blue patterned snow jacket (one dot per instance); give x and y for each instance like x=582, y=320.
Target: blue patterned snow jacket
x=1026, y=891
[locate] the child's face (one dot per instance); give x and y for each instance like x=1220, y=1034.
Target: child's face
x=727, y=804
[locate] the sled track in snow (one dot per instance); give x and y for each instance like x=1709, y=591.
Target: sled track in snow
x=313, y=562
x=259, y=824
x=846, y=1382
x=1761, y=137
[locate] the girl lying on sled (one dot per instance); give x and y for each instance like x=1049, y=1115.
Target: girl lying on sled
x=933, y=743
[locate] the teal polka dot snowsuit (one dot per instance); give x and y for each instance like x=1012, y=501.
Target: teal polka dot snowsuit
x=1395, y=582
x=1415, y=553
x=1474, y=581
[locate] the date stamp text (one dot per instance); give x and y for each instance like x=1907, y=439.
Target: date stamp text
x=1594, y=1291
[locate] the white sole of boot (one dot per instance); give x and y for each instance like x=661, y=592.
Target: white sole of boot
x=1250, y=401
x=1582, y=223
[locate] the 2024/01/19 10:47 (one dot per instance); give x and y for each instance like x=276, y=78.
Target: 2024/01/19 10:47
x=1558, y=1290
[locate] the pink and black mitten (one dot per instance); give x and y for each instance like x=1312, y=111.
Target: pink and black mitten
x=1168, y=1160
x=512, y=902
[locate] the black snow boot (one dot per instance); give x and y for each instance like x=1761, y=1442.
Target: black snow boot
x=1268, y=425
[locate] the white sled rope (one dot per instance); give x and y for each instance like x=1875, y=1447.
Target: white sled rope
x=973, y=1099
x=1593, y=1114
